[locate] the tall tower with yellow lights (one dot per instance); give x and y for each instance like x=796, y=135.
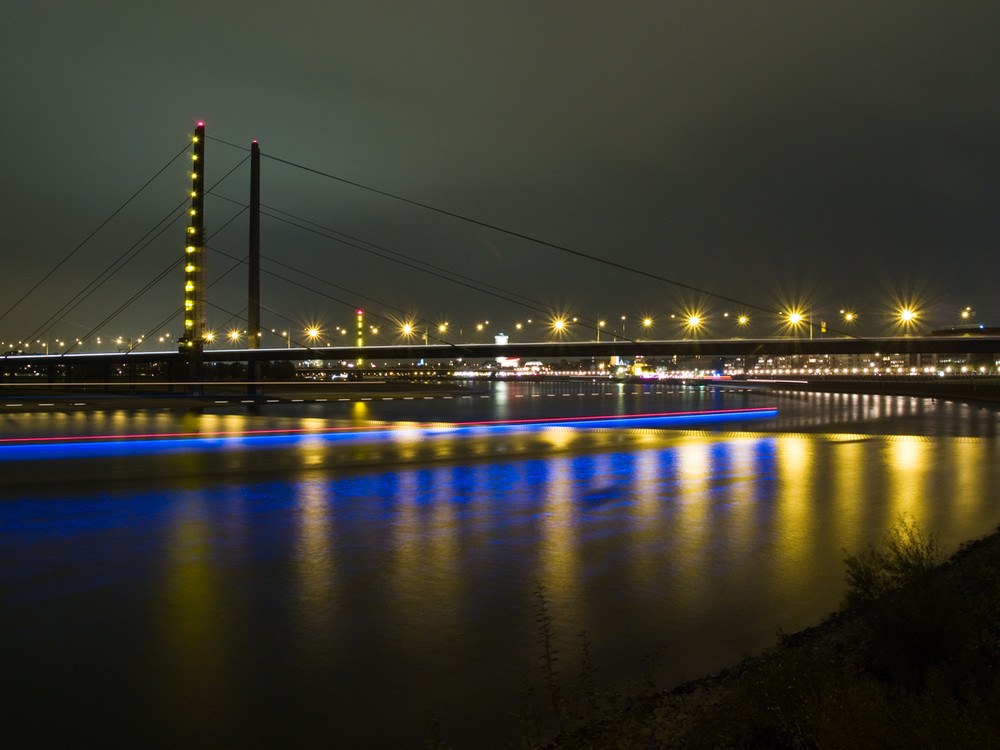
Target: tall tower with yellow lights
x=194, y=251
x=361, y=332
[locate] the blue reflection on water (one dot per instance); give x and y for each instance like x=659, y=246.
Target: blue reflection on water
x=337, y=597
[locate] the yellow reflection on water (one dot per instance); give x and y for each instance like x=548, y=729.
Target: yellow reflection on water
x=312, y=450
x=194, y=625
x=315, y=572
x=740, y=492
x=559, y=438
x=425, y=568
x=849, y=489
x=795, y=502
x=443, y=550
x=969, y=457
x=907, y=463
x=645, y=509
x=559, y=565
x=694, y=467
x=360, y=413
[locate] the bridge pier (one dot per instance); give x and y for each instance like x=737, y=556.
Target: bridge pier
x=253, y=377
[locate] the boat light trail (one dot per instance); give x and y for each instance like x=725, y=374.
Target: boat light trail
x=66, y=446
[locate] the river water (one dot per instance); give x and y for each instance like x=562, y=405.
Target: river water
x=346, y=573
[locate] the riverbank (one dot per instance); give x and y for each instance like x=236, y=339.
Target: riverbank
x=915, y=668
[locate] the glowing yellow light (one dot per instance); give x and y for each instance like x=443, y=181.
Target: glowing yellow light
x=907, y=315
x=188, y=287
x=189, y=268
x=693, y=321
x=559, y=324
x=194, y=157
x=312, y=332
x=190, y=248
x=407, y=329
x=187, y=324
x=234, y=335
x=188, y=304
x=194, y=194
x=194, y=175
x=743, y=320
x=794, y=318
x=647, y=322
x=209, y=336
x=193, y=212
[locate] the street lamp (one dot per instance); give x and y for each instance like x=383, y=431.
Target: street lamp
x=796, y=319
x=692, y=323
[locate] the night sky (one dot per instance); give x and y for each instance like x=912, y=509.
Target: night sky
x=834, y=155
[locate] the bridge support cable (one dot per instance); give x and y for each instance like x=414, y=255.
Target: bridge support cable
x=159, y=277
x=300, y=285
x=541, y=242
x=90, y=236
x=380, y=251
x=124, y=259
x=425, y=267
x=109, y=271
x=405, y=260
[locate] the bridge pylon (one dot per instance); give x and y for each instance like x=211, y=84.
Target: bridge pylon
x=194, y=252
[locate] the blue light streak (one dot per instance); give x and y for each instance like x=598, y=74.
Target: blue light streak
x=18, y=449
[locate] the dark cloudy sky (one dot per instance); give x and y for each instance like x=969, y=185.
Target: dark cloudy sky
x=835, y=154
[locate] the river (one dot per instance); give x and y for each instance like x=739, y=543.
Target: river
x=354, y=572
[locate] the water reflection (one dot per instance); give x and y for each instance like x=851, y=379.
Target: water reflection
x=317, y=603
x=194, y=626
x=907, y=460
x=328, y=593
x=559, y=567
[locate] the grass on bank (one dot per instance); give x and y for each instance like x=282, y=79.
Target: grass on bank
x=912, y=660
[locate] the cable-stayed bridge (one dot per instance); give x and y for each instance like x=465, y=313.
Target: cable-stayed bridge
x=197, y=344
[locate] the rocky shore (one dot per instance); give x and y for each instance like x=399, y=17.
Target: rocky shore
x=918, y=667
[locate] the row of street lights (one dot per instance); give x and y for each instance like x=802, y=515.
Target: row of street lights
x=690, y=323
